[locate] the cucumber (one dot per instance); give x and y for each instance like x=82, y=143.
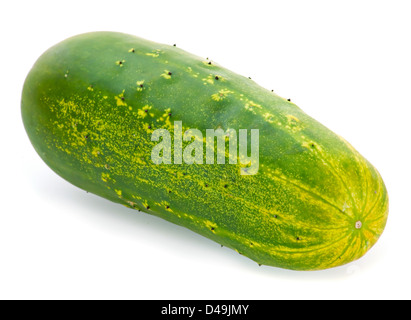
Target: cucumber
x=93, y=107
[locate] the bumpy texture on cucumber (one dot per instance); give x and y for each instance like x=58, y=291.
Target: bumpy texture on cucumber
x=91, y=103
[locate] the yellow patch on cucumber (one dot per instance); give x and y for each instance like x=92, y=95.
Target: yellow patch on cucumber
x=221, y=95
x=269, y=117
x=166, y=74
x=293, y=123
x=120, y=100
x=251, y=106
x=140, y=85
x=155, y=53
x=143, y=112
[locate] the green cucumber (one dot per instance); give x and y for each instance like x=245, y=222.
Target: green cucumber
x=90, y=106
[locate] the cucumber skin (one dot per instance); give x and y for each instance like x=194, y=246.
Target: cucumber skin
x=91, y=102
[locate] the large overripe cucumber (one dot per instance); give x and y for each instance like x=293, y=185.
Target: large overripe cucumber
x=91, y=103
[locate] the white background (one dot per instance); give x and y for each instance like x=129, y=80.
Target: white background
x=346, y=63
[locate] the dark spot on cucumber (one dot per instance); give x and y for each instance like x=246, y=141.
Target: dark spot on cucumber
x=209, y=63
x=141, y=85
x=206, y=185
x=148, y=207
x=169, y=191
x=225, y=186
x=275, y=216
x=149, y=127
x=169, y=114
x=212, y=229
x=146, y=110
x=86, y=136
x=122, y=98
x=216, y=77
x=288, y=99
x=298, y=238
x=174, y=45
x=169, y=73
x=167, y=207
x=312, y=145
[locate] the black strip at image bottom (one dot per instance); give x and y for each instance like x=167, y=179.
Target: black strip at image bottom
x=207, y=309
